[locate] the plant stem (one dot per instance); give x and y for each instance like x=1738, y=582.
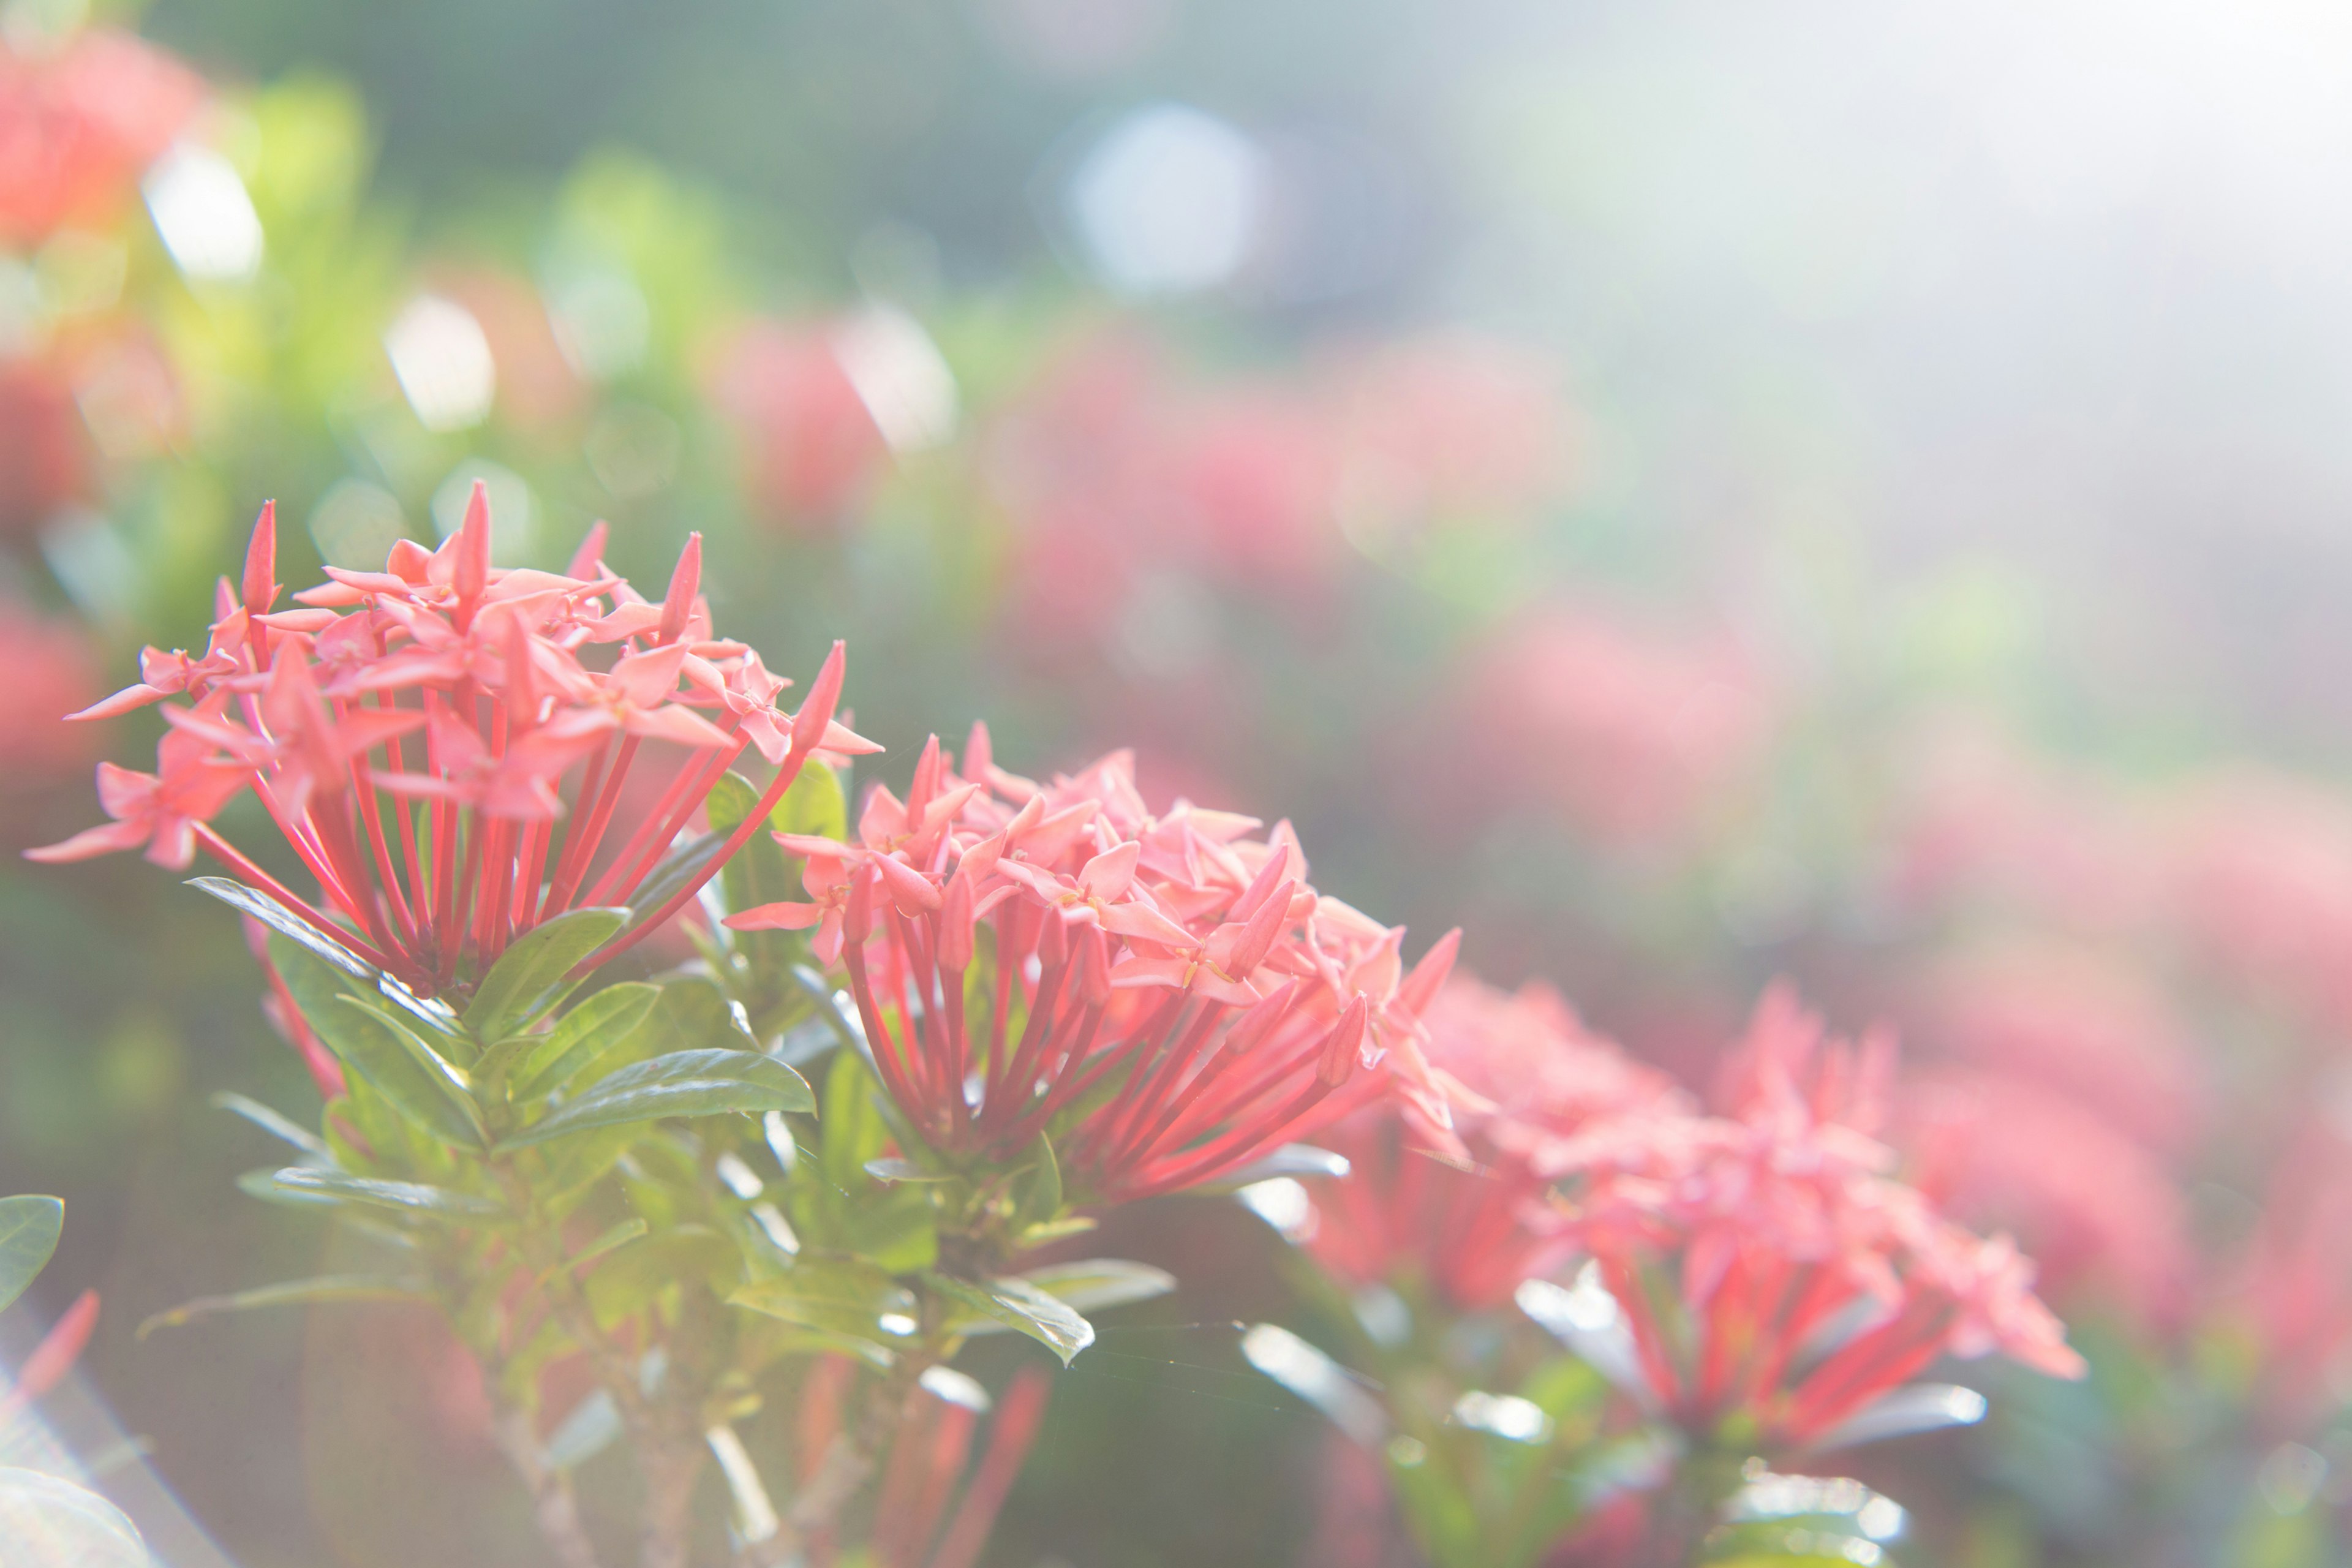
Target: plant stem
x=552, y=1503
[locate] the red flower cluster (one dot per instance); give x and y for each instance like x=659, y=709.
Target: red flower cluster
x=1767, y=1266
x=412, y=733
x=79, y=123
x=1022, y=954
x=1463, y=1214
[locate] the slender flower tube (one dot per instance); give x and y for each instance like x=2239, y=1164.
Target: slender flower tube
x=455, y=751
x=1165, y=996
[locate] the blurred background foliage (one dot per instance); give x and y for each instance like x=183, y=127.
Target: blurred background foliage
x=1688, y=491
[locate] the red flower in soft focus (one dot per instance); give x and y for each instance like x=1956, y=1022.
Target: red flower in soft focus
x=1520, y=1072
x=1980, y=823
x=2260, y=882
x=78, y=125
x=411, y=731
x=2102, y=1213
x=2067, y=1082
x=51, y=671
x=1166, y=992
x=1629, y=731
x=1770, y=1272
x=1450, y=426
x=43, y=450
x=2297, y=1284
x=811, y=447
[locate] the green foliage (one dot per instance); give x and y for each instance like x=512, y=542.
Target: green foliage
x=535, y=973
x=1010, y=1301
x=29, y=1229
x=683, y=1083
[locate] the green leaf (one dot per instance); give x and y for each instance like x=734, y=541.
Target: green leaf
x=29, y=1228
x=892, y=1169
x=263, y=1184
x=285, y=924
x=407, y=1197
x=694, y=1013
x=292, y=1293
x=1100, y=1283
x=403, y=1072
x=620, y=1235
x=1038, y=1195
x=632, y=1276
x=581, y=1037
x=678, y=869
x=529, y=977
x=813, y=804
x=684, y=1083
x=271, y=1122
x=852, y=1131
x=432, y=1093
x=834, y=1295
x=1016, y=1304
x=1290, y=1160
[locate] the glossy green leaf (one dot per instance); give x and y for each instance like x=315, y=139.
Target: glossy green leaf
x=1100, y=1283
x=892, y=1169
x=285, y=922
x=532, y=974
x=834, y=1295
x=852, y=1129
x=813, y=804
x=675, y=871
x=263, y=1184
x=1038, y=1195
x=292, y=1293
x=1015, y=1303
x=581, y=1037
x=406, y=1197
x=684, y=1083
x=439, y=1098
x=1291, y=1160
x=271, y=1122
x=396, y=1069
x=29, y=1228
x=632, y=1276
x=694, y=1013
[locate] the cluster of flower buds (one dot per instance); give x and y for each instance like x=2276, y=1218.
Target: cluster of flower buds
x=1767, y=1265
x=1462, y=1213
x=449, y=747
x=1167, y=994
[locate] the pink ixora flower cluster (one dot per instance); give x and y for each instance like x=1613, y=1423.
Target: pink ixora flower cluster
x=1770, y=1271
x=1167, y=994
x=447, y=747
x=1470, y=1224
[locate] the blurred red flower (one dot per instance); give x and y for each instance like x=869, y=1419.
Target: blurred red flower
x=80, y=122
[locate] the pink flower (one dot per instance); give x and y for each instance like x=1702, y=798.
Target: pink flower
x=79, y=125
x=1449, y=428
x=1461, y=1212
x=43, y=450
x=812, y=448
x=2259, y=881
x=51, y=670
x=1631, y=732
x=421, y=736
x=2298, y=1283
x=1166, y=995
x=1769, y=1267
